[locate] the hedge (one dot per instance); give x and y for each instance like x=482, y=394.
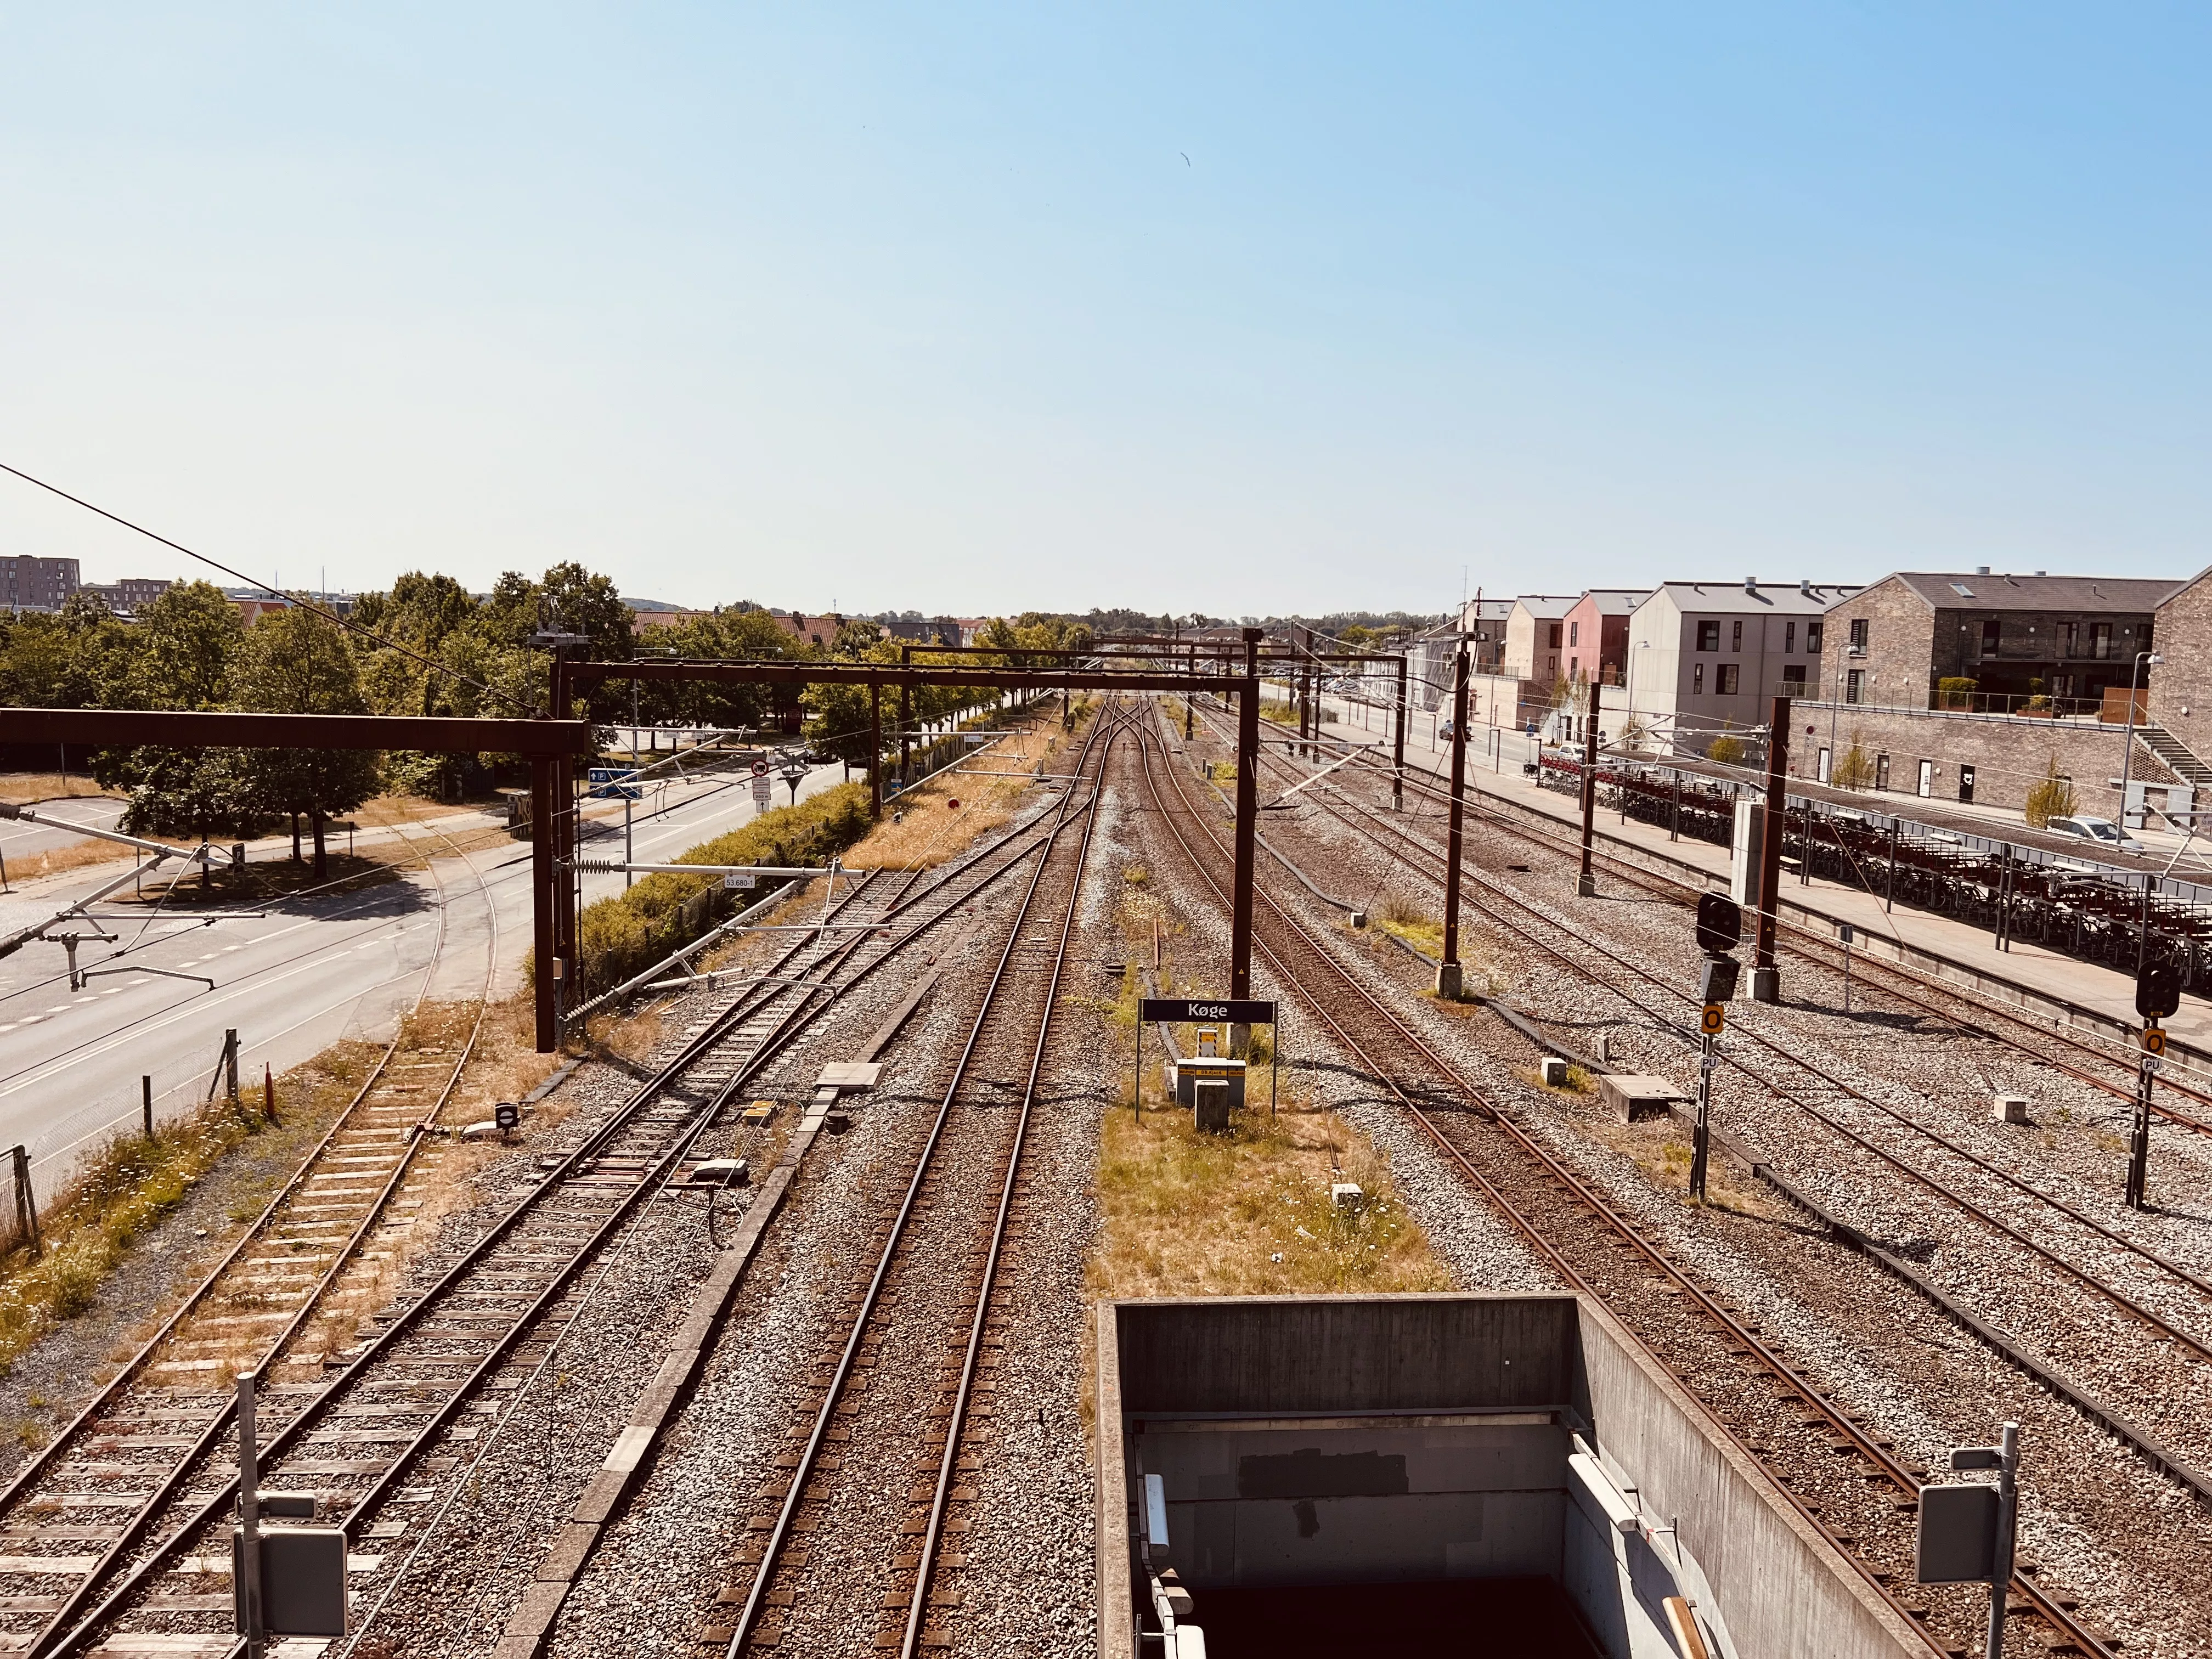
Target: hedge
x=623, y=935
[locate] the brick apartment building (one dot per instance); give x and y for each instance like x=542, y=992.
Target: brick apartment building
x=2069, y=638
x=32, y=584
x=128, y=594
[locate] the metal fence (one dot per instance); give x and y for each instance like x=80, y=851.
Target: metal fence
x=2094, y=912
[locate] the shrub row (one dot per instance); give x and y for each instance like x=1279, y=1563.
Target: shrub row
x=622, y=936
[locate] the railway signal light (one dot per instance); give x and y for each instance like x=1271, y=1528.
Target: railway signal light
x=2158, y=991
x=1720, y=923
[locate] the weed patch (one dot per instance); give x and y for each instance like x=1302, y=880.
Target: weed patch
x=1249, y=1213
x=130, y=1184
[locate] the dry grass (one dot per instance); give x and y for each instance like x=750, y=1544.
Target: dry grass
x=58, y=860
x=929, y=831
x=388, y=810
x=129, y=1185
x=1661, y=1148
x=1249, y=1213
x=25, y=787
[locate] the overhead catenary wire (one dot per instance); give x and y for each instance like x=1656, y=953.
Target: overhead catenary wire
x=345, y=622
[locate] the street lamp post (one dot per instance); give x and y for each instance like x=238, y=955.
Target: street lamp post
x=2128, y=742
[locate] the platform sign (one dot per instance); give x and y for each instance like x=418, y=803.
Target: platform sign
x=1958, y=1539
x=1224, y=1011
x=612, y=783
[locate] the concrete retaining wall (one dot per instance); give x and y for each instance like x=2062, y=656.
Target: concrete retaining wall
x=1771, y=1582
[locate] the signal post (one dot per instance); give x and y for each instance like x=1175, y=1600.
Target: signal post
x=2158, y=994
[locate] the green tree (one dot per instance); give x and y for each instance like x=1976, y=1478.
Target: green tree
x=1727, y=751
x=180, y=652
x=297, y=662
x=36, y=656
x=1854, y=769
x=2052, y=797
x=203, y=794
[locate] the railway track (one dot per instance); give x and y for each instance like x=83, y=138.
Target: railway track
x=2161, y=1341
x=353, y=1436
x=149, y=1422
x=2064, y=1050
x=1842, y=1475
x=936, y=1260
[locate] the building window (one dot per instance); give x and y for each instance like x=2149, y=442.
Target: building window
x=1854, y=684
x=1793, y=676
x=1881, y=771
x=1698, y=677
x=1859, y=635
x=1574, y=666
x=1790, y=635
x=1708, y=636
x=2067, y=633
x=1813, y=632
x=2100, y=641
x=1730, y=677
x=2143, y=644
x=1555, y=636
x=1736, y=636
x=1992, y=631
x=1574, y=633
x=1552, y=667
x=1967, y=784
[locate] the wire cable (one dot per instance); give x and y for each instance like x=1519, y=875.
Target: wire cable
x=216, y=564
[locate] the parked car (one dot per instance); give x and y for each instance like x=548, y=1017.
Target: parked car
x=2104, y=832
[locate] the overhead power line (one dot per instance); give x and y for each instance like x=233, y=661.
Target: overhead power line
x=345, y=622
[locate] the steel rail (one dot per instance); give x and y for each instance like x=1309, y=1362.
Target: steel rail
x=2046, y=1373
x=1661, y=884
x=1988, y=1166
x=934, y=1527
x=135, y=1528
x=548, y=1185
x=809, y=1458
x=1810, y=1396
x=300, y=1421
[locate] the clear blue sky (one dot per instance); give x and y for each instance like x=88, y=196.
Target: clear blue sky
x=925, y=308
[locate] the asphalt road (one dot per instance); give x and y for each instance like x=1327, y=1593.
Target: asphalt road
x=292, y=978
